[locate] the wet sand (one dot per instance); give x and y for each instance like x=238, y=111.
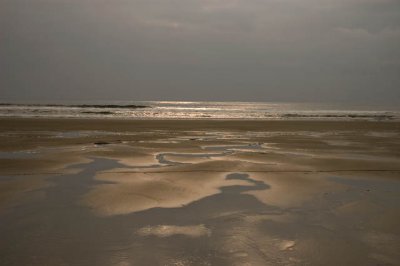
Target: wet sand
x=147, y=192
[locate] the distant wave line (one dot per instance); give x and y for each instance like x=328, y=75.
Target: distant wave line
x=130, y=106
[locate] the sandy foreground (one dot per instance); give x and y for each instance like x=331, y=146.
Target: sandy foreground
x=147, y=192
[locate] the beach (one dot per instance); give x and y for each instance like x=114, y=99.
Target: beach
x=95, y=191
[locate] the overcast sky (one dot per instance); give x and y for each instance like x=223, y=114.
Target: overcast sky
x=245, y=50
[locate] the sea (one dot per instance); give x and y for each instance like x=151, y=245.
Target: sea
x=202, y=110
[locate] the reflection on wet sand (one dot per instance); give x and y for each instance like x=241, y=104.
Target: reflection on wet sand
x=201, y=197
x=170, y=230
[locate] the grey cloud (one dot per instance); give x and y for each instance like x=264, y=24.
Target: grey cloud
x=330, y=50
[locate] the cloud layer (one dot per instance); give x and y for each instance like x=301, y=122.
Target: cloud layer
x=271, y=50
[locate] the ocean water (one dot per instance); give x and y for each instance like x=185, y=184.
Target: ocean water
x=203, y=110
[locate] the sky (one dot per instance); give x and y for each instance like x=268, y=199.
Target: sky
x=208, y=50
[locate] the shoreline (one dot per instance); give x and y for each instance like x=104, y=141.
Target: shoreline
x=293, y=119
x=23, y=122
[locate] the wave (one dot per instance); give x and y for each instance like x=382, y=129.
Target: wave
x=98, y=113
x=198, y=110
x=365, y=116
x=129, y=106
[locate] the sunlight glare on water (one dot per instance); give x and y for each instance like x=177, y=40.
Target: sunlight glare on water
x=201, y=110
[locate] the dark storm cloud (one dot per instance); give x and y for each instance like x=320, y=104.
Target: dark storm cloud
x=200, y=50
